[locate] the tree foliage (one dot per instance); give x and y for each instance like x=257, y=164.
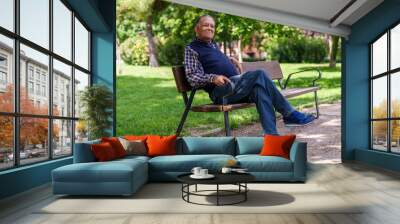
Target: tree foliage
x=33, y=131
x=173, y=27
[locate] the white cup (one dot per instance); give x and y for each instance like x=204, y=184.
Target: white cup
x=226, y=170
x=203, y=172
x=196, y=171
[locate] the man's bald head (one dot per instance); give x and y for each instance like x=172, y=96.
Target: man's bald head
x=205, y=28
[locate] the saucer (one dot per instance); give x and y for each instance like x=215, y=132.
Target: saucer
x=208, y=176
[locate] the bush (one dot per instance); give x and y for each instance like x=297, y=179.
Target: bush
x=172, y=52
x=316, y=50
x=134, y=51
x=310, y=50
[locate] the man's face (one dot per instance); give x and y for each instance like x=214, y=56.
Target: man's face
x=205, y=29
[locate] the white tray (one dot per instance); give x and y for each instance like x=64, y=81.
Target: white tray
x=208, y=176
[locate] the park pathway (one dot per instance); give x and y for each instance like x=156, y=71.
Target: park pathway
x=323, y=136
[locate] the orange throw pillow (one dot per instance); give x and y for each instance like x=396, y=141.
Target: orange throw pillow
x=116, y=145
x=103, y=152
x=275, y=145
x=161, y=146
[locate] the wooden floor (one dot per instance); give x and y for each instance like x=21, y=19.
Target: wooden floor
x=379, y=190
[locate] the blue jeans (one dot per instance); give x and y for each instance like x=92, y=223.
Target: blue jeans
x=255, y=87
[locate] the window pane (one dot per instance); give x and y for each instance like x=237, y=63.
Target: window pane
x=379, y=98
x=62, y=29
x=35, y=21
x=395, y=47
x=7, y=14
x=81, y=131
x=6, y=74
x=6, y=142
x=395, y=94
x=62, y=89
x=33, y=139
x=379, y=135
x=81, y=45
x=379, y=55
x=81, y=82
x=34, y=72
x=395, y=136
x=62, y=138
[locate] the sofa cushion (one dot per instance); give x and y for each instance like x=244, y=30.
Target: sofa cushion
x=111, y=171
x=277, y=145
x=249, y=145
x=161, y=145
x=185, y=163
x=116, y=145
x=132, y=158
x=257, y=163
x=209, y=145
x=83, y=152
x=103, y=152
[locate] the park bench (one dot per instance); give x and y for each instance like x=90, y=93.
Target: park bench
x=271, y=67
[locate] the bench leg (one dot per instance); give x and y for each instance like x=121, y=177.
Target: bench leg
x=185, y=113
x=226, y=121
x=316, y=103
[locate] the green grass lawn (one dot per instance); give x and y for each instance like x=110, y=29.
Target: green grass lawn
x=148, y=102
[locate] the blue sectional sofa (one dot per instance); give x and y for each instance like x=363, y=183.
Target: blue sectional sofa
x=125, y=176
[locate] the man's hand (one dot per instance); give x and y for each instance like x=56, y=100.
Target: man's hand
x=237, y=64
x=220, y=80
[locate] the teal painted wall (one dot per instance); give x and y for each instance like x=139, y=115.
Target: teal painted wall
x=104, y=53
x=103, y=64
x=355, y=84
x=99, y=16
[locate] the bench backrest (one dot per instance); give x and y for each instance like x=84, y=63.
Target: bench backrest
x=182, y=85
x=270, y=67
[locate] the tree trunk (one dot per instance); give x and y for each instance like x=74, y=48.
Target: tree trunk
x=333, y=51
x=118, y=57
x=153, y=62
x=230, y=48
x=240, y=50
x=224, y=47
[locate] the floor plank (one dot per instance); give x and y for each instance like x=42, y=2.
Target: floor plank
x=376, y=190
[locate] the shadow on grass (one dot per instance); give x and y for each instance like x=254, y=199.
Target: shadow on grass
x=328, y=83
x=321, y=68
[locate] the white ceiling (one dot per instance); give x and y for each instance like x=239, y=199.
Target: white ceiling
x=316, y=15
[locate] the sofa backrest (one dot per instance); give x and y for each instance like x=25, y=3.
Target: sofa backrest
x=206, y=145
x=83, y=152
x=190, y=146
x=249, y=145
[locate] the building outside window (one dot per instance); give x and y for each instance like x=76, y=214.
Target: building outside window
x=30, y=72
x=3, y=71
x=43, y=90
x=30, y=87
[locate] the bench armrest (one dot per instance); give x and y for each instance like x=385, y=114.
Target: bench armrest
x=306, y=70
x=298, y=155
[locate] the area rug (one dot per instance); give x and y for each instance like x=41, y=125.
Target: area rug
x=167, y=198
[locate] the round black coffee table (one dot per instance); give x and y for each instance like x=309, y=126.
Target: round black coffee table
x=238, y=179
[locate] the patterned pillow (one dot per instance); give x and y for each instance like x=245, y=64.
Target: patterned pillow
x=134, y=147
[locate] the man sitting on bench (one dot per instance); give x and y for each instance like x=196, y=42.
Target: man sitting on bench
x=208, y=68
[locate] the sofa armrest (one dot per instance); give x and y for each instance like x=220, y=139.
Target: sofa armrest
x=298, y=155
x=83, y=152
